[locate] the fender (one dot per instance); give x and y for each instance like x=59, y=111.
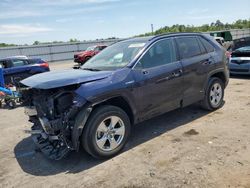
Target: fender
x=83, y=115
x=81, y=120
x=219, y=70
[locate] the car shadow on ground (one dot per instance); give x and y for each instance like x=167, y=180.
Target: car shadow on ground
x=37, y=164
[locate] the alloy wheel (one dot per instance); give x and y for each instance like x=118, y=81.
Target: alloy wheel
x=110, y=133
x=215, y=95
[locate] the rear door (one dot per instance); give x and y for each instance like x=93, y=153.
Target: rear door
x=195, y=60
x=158, y=75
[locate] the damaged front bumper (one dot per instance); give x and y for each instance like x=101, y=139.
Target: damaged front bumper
x=53, y=145
x=54, y=133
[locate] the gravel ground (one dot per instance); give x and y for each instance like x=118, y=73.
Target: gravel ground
x=185, y=148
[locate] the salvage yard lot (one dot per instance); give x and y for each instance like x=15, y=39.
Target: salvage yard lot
x=185, y=148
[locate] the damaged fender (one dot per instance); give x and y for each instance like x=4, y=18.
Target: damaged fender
x=80, y=122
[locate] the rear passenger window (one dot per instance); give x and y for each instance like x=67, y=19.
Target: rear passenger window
x=18, y=62
x=33, y=61
x=203, y=49
x=161, y=53
x=102, y=47
x=188, y=47
x=209, y=47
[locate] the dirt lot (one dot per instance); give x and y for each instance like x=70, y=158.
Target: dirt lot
x=184, y=148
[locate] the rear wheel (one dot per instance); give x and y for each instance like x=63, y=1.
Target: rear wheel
x=214, y=94
x=106, y=132
x=87, y=58
x=11, y=103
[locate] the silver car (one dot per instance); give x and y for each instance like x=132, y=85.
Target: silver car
x=240, y=57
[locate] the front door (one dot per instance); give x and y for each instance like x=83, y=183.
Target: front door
x=158, y=75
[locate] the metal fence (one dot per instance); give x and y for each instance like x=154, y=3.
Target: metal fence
x=65, y=51
x=240, y=33
x=52, y=52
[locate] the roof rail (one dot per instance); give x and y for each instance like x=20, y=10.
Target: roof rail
x=172, y=33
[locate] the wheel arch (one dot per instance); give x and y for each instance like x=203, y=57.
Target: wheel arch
x=121, y=102
x=84, y=114
x=219, y=73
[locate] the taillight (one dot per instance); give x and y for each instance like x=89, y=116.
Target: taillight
x=44, y=64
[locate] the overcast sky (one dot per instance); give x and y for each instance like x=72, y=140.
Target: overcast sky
x=24, y=21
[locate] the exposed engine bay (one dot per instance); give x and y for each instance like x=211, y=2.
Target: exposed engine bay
x=53, y=114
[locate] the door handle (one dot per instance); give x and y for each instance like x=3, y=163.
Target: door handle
x=144, y=72
x=170, y=76
x=207, y=62
x=177, y=74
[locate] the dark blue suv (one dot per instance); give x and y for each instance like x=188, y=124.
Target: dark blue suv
x=127, y=83
x=19, y=67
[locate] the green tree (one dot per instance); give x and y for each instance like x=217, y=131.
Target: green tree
x=214, y=26
x=74, y=40
x=36, y=42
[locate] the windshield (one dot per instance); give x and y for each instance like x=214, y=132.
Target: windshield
x=115, y=56
x=91, y=48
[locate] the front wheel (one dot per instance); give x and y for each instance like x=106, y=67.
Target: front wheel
x=214, y=94
x=106, y=132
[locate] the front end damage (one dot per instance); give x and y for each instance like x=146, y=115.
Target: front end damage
x=54, y=114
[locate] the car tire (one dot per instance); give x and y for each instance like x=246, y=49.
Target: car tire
x=214, y=94
x=87, y=58
x=106, y=132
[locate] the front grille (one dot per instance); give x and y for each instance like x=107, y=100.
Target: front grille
x=240, y=61
x=239, y=70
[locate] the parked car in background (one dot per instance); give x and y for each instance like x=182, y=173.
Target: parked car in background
x=17, y=68
x=222, y=42
x=84, y=56
x=127, y=83
x=239, y=62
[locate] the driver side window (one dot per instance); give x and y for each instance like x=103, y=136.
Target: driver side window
x=161, y=53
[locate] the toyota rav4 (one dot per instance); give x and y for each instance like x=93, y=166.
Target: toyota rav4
x=127, y=83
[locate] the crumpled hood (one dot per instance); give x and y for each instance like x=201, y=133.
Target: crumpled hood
x=55, y=79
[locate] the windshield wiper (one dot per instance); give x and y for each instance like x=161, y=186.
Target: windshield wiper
x=90, y=69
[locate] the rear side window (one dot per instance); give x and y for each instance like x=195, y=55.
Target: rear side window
x=18, y=62
x=97, y=49
x=102, y=47
x=33, y=61
x=188, y=47
x=209, y=47
x=203, y=49
x=161, y=53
